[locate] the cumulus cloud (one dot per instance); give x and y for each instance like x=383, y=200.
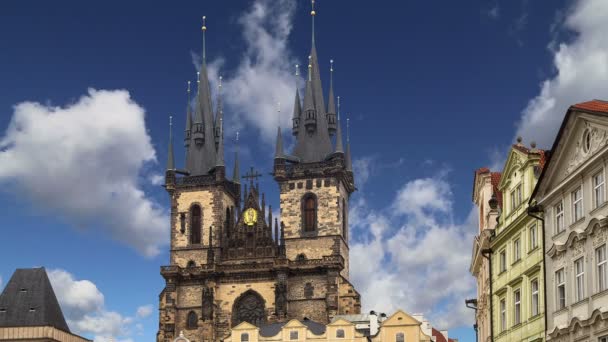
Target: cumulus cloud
x=84, y=308
x=415, y=236
x=581, y=71
x=83, y=161
x=145, y=311
x=265, y=74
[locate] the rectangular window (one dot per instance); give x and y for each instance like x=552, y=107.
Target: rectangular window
x=577, y=204
x=293, y=335
x=503, y=315
x=513, y=205
x=519, y=194
x=600, y=257
x=559, y=217
x=533, y=237
x=516, y=249
x=598, y=189
x=579, y=271
x=516, y=197
x=560, y=293
x=534, y=296
x=603, y=339
x=517, y=307
x=503, y=261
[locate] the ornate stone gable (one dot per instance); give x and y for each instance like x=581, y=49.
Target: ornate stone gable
x=589, y=140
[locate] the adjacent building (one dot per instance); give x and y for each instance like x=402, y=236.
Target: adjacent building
x=572, y=194
x=516, y=251
x=488, y=200
x=29, y=310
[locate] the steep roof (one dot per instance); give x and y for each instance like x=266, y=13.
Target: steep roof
x=272, y=329
x=29, y=300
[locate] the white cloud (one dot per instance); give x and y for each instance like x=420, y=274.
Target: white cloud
x=145, y=311
x=84, y=308
x=581, y=72
x=156, y=179
x=265, y=74
x=83, y=161
x=412, y=255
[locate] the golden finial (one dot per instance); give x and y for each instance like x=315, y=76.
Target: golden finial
x=310, y=68
x=170, y=120
x=204, y=29
x=331, y=65
x=220, y=83
x=313, y=13
x=204, y=26
x=297, y=70
x=188, y=87
x=198, y=77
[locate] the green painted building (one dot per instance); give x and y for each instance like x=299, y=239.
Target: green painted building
x=517, y=269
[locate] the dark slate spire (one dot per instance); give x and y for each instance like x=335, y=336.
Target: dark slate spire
x=278, y=154
x=235, y=173
x=349, y=162
x=219, y=113
x=313, y=144
x=331, y=106
x=220, y=148
x=28, y=300
x=170, y=156
x=297, y=107
x=204, y=151
x=339, y=147
x=187, y=135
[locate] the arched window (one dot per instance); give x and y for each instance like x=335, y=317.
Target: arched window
x=192, y=320
x=191, y=263
x=400, y=337
x=301, y=257
x=309, y=215
x=344, y=223
x=182, y=222
x=340, y=333
x=195, y=225
x=244, y=337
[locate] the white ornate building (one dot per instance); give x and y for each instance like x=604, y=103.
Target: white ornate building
x=572, y=194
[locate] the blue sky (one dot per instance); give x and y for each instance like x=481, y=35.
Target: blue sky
x=433, y=90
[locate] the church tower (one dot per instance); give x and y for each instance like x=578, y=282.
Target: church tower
x=230, y=260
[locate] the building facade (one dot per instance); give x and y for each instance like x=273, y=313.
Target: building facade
x=488, y=200
x=572, y=194
x=516, y=252
x=399, y=327
x=29, y=310
x=230, y=261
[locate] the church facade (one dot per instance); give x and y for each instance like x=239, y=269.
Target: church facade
x=230, y=260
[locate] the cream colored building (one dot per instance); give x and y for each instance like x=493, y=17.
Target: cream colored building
x=485, y=192
x=399, y=327
x=572, y=194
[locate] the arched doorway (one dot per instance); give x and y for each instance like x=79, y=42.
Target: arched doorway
x=249, y=307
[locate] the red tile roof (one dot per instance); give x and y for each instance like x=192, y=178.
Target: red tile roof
x=594, y=106
x=482, y=170
x=438, y=336
x=495, y=178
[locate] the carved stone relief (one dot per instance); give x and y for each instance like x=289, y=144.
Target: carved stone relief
x=590, y=141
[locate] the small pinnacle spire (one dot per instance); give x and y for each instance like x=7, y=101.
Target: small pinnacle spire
x=235, y=173
x=204, y=28
x=170, y=156
x=349, y=162
x=297, y=72
x=313, y=14
x=309, y=68
x=279, y=146
x=339, y=146
x=220, y=148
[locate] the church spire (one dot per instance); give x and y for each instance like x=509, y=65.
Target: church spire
x=313, y=143
x=331, y=106
x=279, y=146
x=339, y=147
x=219, y=113
x=170, y=156
x=204, y=151
x=235, y=173
x=349, y=162
x=297, y=107
x=220, y=149
x=188, y=131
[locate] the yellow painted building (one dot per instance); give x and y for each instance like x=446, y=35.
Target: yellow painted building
x=399, y=327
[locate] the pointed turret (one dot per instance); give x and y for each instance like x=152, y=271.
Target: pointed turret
x=219, y=114
x=331, y=106
x=187, y=134
x=236, y=177
x=204, y=152
x=170, y=156
x=339, y=147
x=313, y=144
x=297, y=107
x=278, y=154
x=220, y=148
x=348, y=160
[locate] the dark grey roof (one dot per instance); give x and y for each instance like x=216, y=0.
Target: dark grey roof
x=29, y=300
x=272, y=329
x=339, y=146
x=279, y=145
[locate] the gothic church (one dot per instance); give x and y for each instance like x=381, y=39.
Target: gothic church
x=230, y=261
